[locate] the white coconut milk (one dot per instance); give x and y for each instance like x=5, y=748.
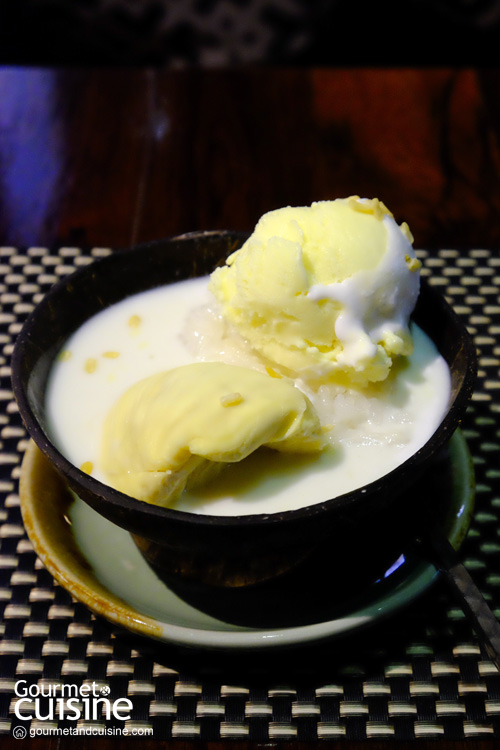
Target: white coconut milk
x=371, y=432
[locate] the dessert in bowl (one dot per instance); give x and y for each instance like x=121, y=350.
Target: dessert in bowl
x=180, y=511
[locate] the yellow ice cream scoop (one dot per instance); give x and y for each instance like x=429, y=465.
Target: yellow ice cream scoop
x=178, y=428
x=324, y=291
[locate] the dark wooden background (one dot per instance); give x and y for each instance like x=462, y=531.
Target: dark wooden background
x=118, y=156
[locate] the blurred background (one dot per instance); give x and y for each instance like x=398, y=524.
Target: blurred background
x=223, y=32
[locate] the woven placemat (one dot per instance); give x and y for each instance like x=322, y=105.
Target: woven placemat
x=419, y=674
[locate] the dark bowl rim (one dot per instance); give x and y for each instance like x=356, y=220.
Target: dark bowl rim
x=120, y=500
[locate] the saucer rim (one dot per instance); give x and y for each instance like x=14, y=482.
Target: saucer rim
x=74, y=572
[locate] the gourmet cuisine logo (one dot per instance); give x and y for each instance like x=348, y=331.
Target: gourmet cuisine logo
x=54, y=702
x=71, y=702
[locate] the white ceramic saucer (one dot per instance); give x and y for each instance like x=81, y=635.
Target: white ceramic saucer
x=99, y=564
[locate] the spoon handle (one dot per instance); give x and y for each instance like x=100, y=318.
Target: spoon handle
x=467, y=594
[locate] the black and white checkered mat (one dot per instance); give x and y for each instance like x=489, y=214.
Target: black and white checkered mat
x=419, y=674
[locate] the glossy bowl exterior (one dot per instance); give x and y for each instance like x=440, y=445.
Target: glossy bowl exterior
x=226, y=550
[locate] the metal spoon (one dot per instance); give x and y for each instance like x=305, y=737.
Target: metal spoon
x=465, y=591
